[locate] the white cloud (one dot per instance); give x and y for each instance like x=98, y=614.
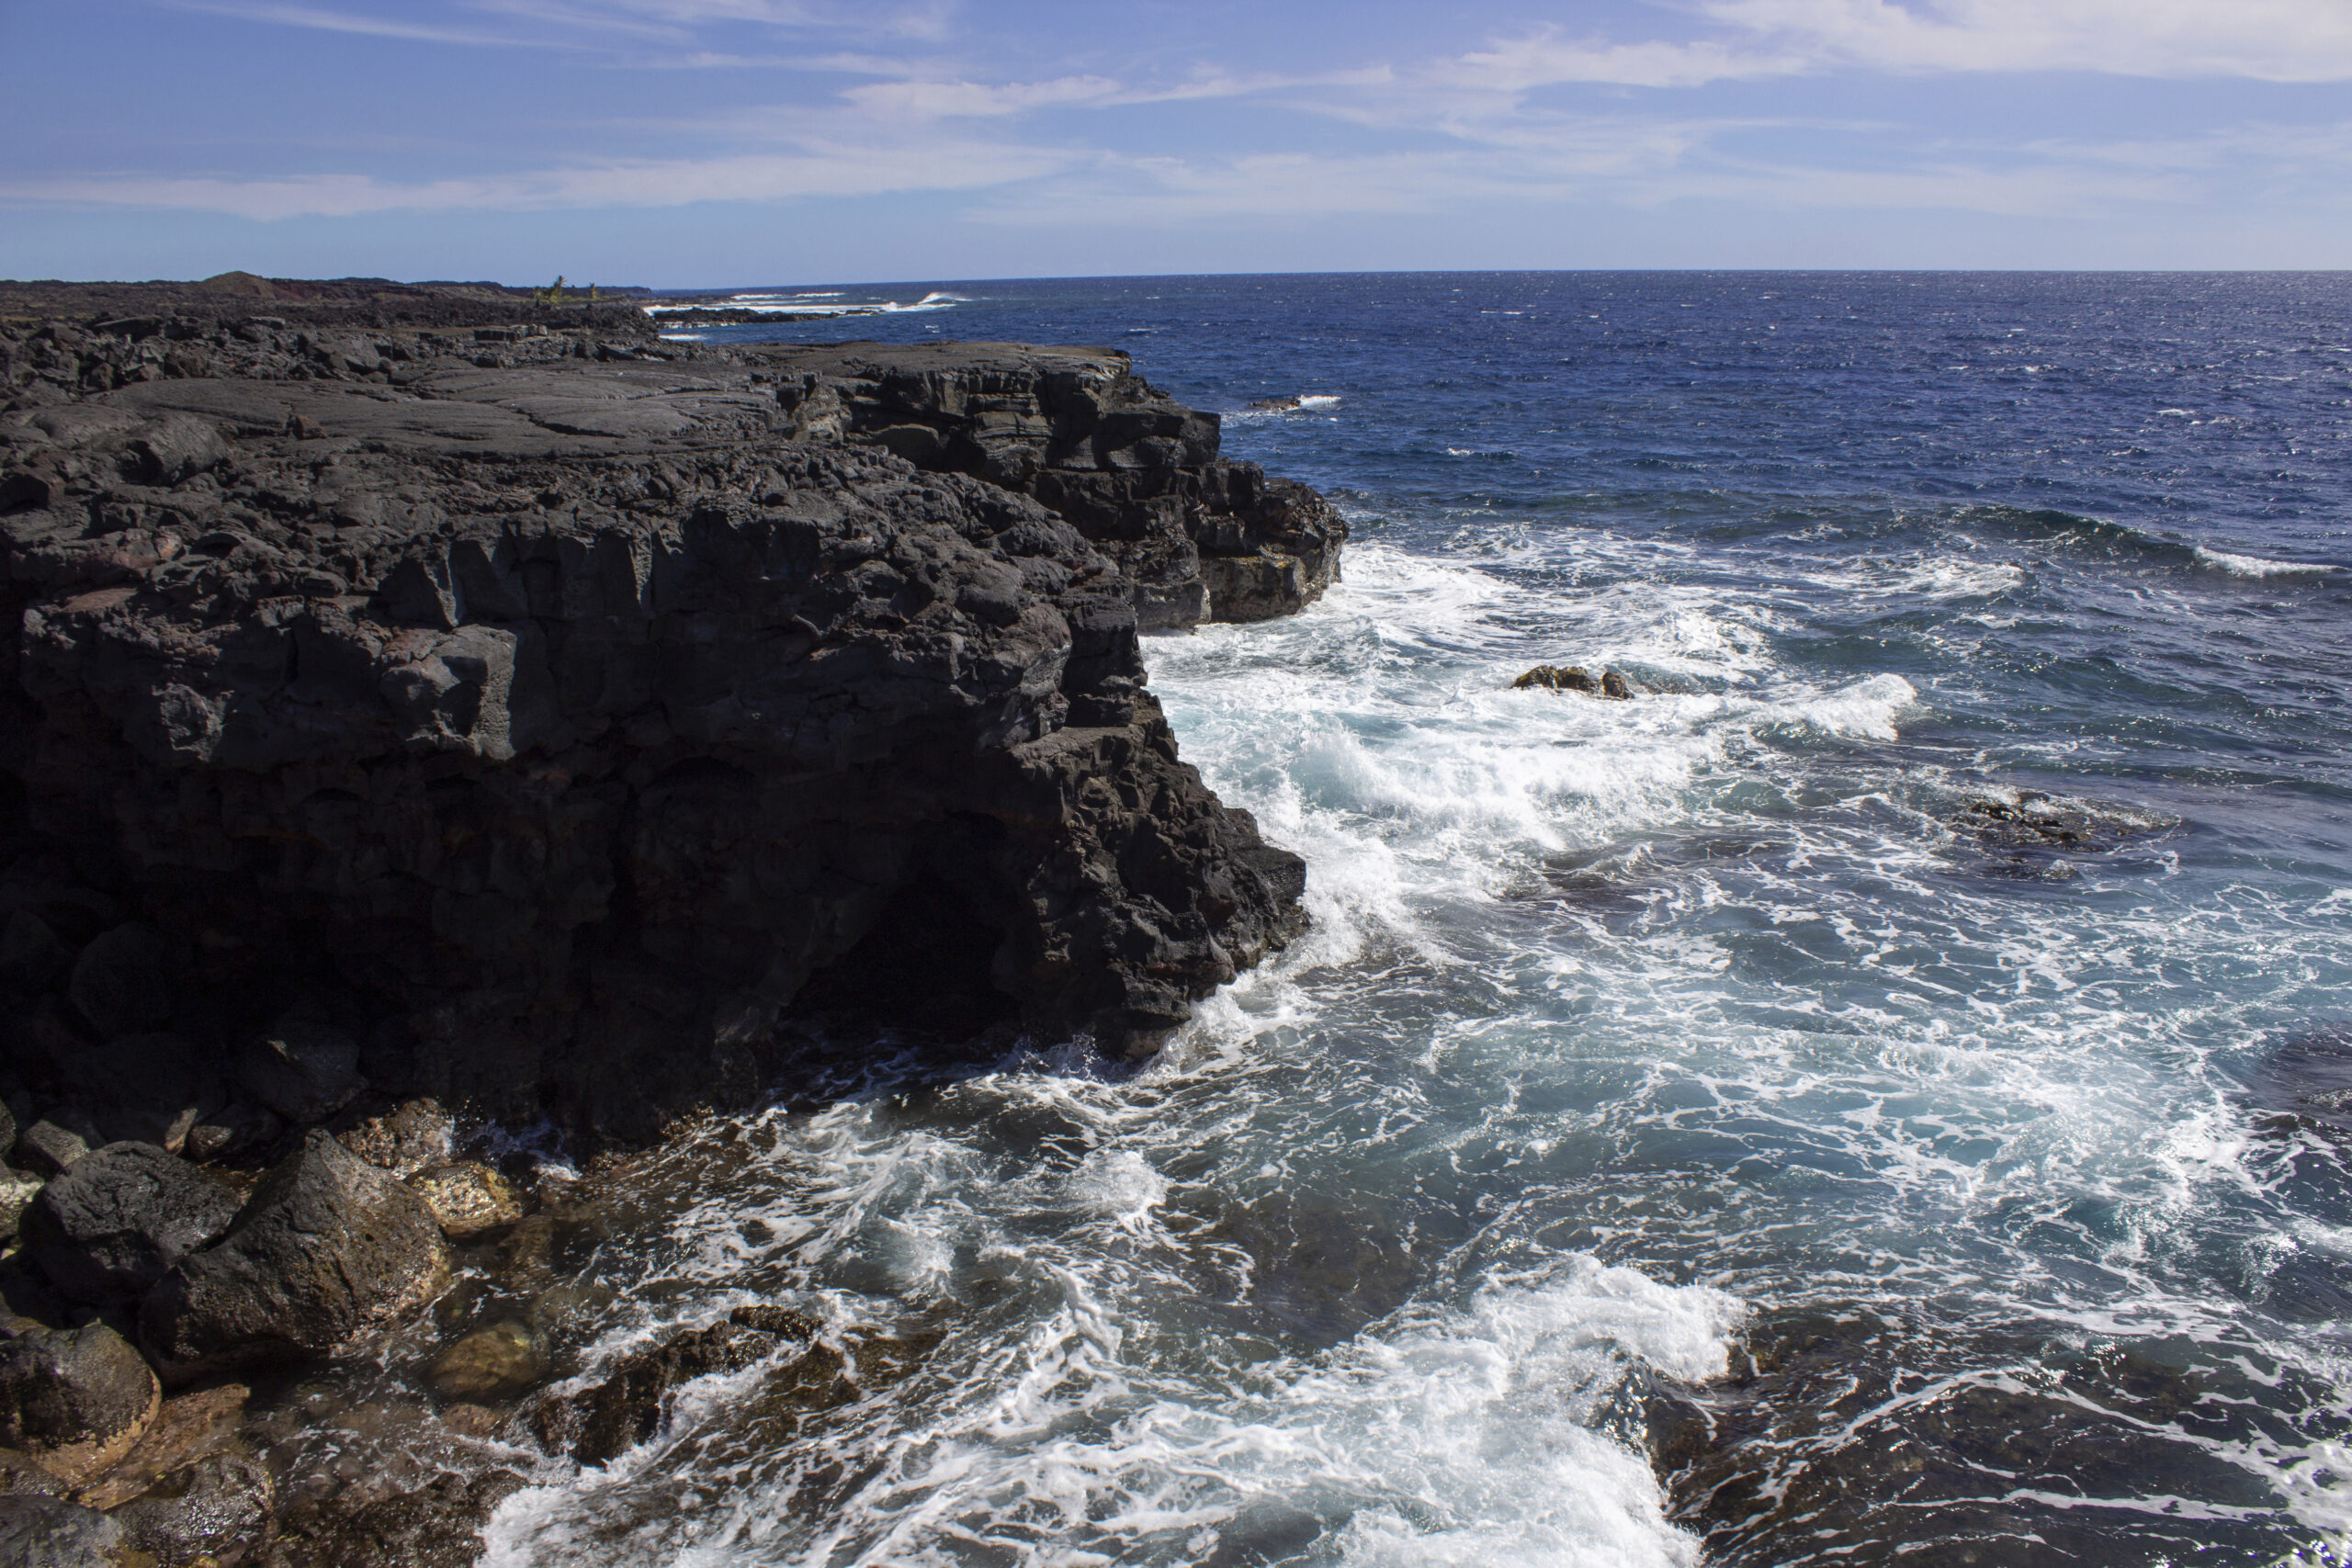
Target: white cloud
x=2273, y=40
x=815, y=170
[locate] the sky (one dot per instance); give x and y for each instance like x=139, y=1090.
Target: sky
x=714, y=144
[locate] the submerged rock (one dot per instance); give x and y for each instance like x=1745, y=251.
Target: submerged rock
x=489, y=1363
x=633, y=1401
x=328, y=1251
x=76, y=1401
x=215, y=1513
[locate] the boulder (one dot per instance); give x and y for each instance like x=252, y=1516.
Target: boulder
x=417, y=1136
x=122, y=983
x=111, y=1226
x=49, y=1148
x=215, y=1513
x=1612, y=684
x=489, y=1363
x=49, y=1532
x=77, y=1401
x=305, y=1069
x=467, y=1199
x=328, y=1251
x=17, y=1192
x=1556, y=678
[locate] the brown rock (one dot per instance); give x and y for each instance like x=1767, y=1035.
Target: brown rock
x=416, y=1136
x=188, y=1427
x=467, y=1199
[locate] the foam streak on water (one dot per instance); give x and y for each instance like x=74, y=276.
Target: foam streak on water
x=1852, y=1099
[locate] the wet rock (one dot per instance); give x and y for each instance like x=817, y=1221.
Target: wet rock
x=786, y=1322
x=1554, y=678
x=111, y=1226
x=1846, y=1435
x=75, y=1402
x=215, y=1513
x=189, y=1427
x=634, y=1398
x=489, y=1363
x=417, y=1136
x=305, y=1069
x=433, y=1522
x=122, y=983
x=49, y=1148
x=49, y=1532
x=22, y=1475
x=1612, y=684
x=472, y=1420
x=467, y=1199
x=328, y=1250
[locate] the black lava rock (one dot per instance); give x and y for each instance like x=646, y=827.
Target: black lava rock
x=111, y=1226
x=328, y=1250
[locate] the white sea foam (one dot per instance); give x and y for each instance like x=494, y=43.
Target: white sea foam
x=813, y=305
x=2257, y=567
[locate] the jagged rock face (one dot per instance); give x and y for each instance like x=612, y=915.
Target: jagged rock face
x=1202, y=537
x=568, y=727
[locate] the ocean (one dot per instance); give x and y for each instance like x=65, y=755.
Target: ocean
x=1881, y=1093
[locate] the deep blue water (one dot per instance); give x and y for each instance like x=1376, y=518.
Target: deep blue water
x=1720, y=1126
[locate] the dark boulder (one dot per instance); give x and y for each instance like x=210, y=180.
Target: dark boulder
x=50, y=1149
x=31, y=958
x=1556, y=678
x=77, y=1401
x=215, y=1513
x=111, y=1226
x=122, y=983
x=328, y=1251
x=49, y=1532
x=305, y=1069
x=1612, y=684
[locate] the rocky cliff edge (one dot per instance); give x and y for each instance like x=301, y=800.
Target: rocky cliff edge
x=578, y=726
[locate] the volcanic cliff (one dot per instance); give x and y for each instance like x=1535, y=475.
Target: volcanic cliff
x=563, y=723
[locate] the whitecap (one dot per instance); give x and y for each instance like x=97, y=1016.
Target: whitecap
x=2256, y=565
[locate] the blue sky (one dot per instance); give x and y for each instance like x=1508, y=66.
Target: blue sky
x=713, y=143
